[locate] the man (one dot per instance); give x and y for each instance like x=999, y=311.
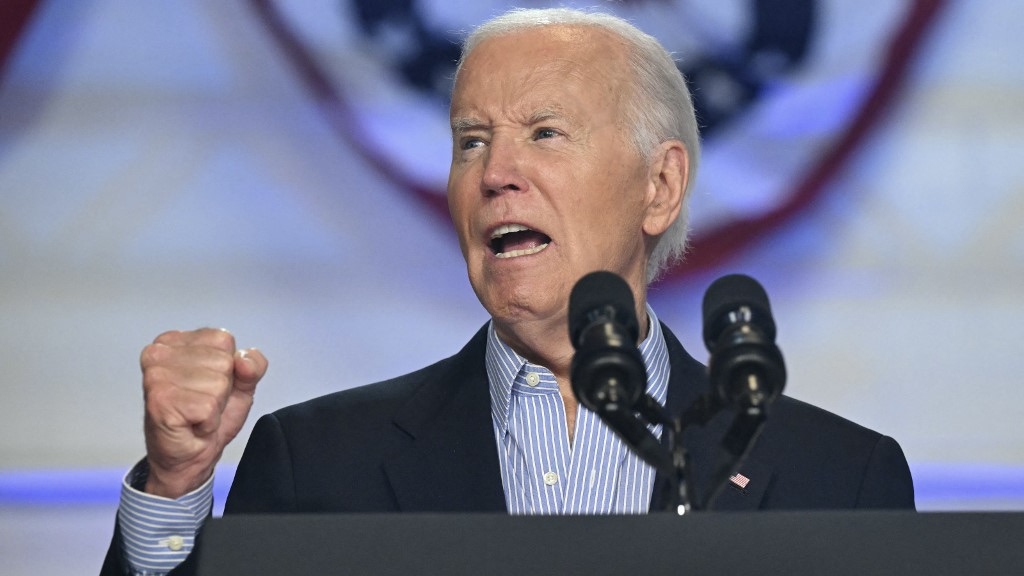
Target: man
x=574, y=144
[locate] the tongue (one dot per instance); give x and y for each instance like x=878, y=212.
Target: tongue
x=522, y=240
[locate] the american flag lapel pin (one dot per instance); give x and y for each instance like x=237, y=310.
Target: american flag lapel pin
x=739, y=480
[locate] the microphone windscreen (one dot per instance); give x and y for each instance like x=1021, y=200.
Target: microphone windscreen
x=596, y=293
x=728, y=294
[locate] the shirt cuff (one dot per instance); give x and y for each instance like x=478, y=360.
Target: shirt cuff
x=158, y=533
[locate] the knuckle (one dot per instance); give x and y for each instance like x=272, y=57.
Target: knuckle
x=153, y=354
x=223, y=364
x=155, y=378
x=222, y=339
x=209, y=407
x=168, y=337
x=157, y=398
x=225, y=382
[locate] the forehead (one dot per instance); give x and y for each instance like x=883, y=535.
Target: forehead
x=526, y=67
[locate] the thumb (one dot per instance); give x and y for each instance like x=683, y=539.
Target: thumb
x=250, y=366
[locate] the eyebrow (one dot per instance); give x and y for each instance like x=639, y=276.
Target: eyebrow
x=464, y=124
x=547, y=113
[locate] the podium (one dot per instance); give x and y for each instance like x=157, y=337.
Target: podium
x=790, y=543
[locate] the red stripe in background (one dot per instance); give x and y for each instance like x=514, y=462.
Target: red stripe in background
x=339, y=115
x=715, y=246
x=14, y=15
x=707, y=249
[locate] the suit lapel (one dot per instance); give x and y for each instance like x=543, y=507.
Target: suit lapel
x=745, y=493
x=688, y=380
x=450, y=462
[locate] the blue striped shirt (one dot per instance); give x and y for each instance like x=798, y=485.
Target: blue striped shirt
x=541, y=472
x=158, y=533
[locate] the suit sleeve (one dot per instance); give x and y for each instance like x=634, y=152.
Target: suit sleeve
x=264, y=482
x=887, y=482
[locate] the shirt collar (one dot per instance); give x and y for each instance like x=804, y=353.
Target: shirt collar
x=505, y=366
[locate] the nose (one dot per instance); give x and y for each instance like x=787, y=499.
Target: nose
x=503, y=168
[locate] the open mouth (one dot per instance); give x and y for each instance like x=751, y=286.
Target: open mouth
x=514, y=240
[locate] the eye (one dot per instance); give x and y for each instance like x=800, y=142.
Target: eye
x=469, y=143
x=543, y=133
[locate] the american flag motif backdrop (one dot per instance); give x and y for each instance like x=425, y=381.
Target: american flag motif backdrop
x=785, y=90
x=277, y=168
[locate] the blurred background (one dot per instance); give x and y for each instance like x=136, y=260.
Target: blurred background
x=278, y=168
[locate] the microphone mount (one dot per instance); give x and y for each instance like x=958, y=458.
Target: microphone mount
x=746, y=371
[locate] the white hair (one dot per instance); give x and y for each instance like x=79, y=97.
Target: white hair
x=660, y=108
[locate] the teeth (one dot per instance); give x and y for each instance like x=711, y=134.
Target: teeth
x=506, y=229
x=525, y=252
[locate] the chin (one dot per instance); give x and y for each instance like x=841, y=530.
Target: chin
x=541, y=306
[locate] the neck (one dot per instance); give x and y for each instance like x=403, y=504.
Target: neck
x=545, y=342
x=548, y=345
x=542, y=342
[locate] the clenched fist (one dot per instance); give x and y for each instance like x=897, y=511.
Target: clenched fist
x=198, y=390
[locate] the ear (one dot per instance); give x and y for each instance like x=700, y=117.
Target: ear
x=666, y=188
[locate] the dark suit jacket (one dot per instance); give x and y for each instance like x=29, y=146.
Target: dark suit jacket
x=425, y=442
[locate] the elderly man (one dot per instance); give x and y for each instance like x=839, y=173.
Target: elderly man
x=574, y=144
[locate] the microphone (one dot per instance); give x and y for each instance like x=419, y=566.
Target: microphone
x=608, y=373
x=746, y=367
x=607, y=370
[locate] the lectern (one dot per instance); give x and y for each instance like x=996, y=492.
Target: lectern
x=790, y=543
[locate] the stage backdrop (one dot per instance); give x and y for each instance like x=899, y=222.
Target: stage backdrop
x=277, y=168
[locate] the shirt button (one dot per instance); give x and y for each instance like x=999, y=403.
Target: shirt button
x=550, y=478
x=532, y=379
x=175, y=543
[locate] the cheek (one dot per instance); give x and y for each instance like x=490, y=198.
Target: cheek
x=459, y=212
x=615, y=222
x=462, y=207
x=462, y=229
